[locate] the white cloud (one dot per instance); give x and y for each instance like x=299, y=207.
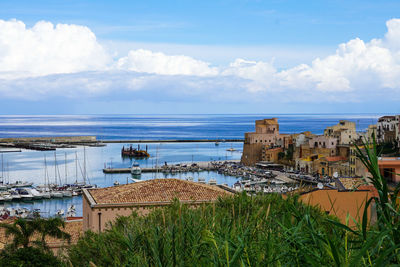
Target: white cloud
x=47, y=49
x=149, y=62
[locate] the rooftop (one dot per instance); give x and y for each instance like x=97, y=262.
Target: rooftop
x=271, y=121
x=157, y=190
x=352, y=183
x=335, y=158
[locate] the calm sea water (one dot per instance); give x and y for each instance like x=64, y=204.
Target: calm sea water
x=61, y=166
x=163, y=127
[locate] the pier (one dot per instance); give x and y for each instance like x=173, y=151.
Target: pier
x=175, y=168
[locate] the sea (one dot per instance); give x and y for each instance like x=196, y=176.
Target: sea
x=68, y=165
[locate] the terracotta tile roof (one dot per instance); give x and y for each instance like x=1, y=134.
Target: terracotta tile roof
x=157, y=190
x=274, y=149
x=336, y=158
x=351, y=183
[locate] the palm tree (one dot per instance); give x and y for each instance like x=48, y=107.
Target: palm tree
x=50, y=227
x=22, y=231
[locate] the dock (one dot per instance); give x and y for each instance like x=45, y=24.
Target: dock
x=128, y=170
x=174, y=168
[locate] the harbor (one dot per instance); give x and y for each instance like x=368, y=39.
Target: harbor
x=64, y=169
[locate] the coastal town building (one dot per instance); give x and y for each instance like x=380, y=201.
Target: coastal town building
x=103, y=205
x=327, y=166
x=388, y=129
x=271, y=154
x=266, y=134
x=323, y=155
x=344, y=132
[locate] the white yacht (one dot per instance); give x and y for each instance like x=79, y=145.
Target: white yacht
x=25, y=194
x=46, y=194
x=135, y=169
x=67, y=193
x=15, y=195
x=56, y=194
x=6, y=196
x=36, y=194
x=3, y=187
x=21, y=184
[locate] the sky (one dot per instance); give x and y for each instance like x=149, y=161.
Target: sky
x=169, y=57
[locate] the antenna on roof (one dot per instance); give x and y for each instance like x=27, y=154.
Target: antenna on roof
x=320, y=185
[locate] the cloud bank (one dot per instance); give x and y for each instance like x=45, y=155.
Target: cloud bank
x=67, y=60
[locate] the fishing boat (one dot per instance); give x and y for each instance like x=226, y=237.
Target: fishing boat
x=134, y=153
x=135, y=169
x=201, y=180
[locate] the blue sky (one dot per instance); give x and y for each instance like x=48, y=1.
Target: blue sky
x=199, y=56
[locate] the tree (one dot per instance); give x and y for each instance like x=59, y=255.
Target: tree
x=21, y=230
x=50, y=227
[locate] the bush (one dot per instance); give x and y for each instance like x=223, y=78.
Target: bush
x=28, y=256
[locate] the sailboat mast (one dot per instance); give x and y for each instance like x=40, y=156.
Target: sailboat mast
x=8, y=173
x=157, y=162
x=55, y=168
x=65, y=165
x=84, y=165
x=45, y=171
x=2, y=169
x=76, y=168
